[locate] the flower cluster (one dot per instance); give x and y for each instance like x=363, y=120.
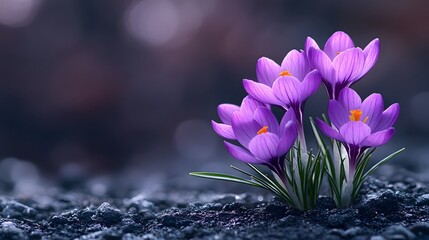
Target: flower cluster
x=355, y=127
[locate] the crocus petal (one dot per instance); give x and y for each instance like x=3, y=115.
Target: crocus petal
x=244, y=128
x=296, y=64
x=349, y=99
x=310, y=84
x=371, y=52
x=223, y=130
x=348, y=65
x=378, y=138
x=337, y=114
x=372, y=107
x=261, y=92
x=265, y=117
x=388, y=117
x=337, y=43
x=241, y=154
x=323, y=63
x=355, y=132
x=289, y=116
x=309, y=43
x=264, y=146
x=267, y=71
x=225, y=112
x=287, y=89
x=290, y=133
x=328, y=130
x=249, y=105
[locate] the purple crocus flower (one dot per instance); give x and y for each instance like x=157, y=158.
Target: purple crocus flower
x=288, y=85
x=226, y=111
x=359, y=125
x=341, y=63
x=263, y=139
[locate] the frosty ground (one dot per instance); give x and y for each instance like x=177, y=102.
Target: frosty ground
x=395, y=206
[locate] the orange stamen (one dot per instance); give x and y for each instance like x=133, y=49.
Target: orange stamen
x=355, y=115
x=338, y=53
x=365, y=120
x=285, y=73
x=264, y=129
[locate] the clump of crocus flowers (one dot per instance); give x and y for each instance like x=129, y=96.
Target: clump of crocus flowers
x=355, y=127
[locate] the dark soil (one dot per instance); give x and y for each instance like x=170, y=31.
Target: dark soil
x=392, y=208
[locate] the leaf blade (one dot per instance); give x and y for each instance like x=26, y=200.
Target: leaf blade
x=224, y=177
x=384, y=160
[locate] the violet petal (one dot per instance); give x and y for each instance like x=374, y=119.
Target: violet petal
x=261, y=92
x=372, y=107
x=287, y=117
x=378, y=138
x=309, y=43
x=287, y=89
x=244, y=127
x=249, y=105
x=328, y=130
x=310, y=84
x=296, y=64
x=388, y=117
x=355, y=132
x=265, y=117
x=225, y=112
x=288, y=138
x=371, y=53
x=241, y=154
x=267, y=71
x=348, y=65
x=337, y=114
x=223, y=130
x=323, y=63
x=264, y=146
x=337, y=43
x=349, y=99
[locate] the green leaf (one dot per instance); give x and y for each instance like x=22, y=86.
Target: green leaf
x=342, y=174
x=224, y=177
x=319, y=140
x=360, y=170
x=268, y=180
x=263, y=175
x=382, y=161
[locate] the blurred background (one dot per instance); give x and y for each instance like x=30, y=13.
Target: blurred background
x=91, y=88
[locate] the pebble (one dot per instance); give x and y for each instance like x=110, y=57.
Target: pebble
x=423, y=200
x=341, y=219
x=231, y=206
x=325, y=202
x=420, y=228
x=139, y=202
x=107, y=214
x=73, y=215
x=227, y=199
x=8, y=230
x=174, y=222
x=377, y=237
x=353, y=232
x=387, y=203
x=398, y=232
x=275, y=209
x=13, y=209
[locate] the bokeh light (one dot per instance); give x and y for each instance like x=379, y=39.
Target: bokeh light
x=91, y=87
x=16, y=13
x=153, y=21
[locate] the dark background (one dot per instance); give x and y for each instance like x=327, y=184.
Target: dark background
x=95, y=87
